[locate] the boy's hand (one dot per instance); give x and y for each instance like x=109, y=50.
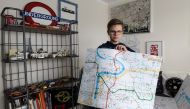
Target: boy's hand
x=121, y=48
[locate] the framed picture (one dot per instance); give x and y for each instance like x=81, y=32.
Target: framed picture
x=136, y=16
x=67, y=10
x=154, y=48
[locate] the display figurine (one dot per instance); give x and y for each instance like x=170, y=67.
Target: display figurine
x=55, y=27
x=10, y=20
x=39, y=54
x=34, y=55
x=65, y=27
x=53, y=55
x=51, y=84
x=52, y=27
x=64, y=53
x=35, y=25
x=43, y=26
x=68, y=53
x=60, y=53
x=15, y=93
x=25, y=23
x=42, y=53
x=12, y=52
x=16, y=55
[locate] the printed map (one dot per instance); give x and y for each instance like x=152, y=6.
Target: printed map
x=119, y=80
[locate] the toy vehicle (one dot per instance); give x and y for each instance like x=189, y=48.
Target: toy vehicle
x=53, y=55
x=33, y=55
x=60, y=53
x=39, y=54
x=42, y=53
x=18, y=56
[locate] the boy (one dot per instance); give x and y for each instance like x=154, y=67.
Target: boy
x=115, y=29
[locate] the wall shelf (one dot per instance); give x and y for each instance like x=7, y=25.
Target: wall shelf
x=49, y=74
x=19, y=28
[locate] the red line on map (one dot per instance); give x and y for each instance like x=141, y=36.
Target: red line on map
x=107, y=96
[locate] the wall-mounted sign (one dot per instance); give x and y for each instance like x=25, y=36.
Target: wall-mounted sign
x=37, y=12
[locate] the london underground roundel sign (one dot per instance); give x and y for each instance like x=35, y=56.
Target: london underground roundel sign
x=37, y=12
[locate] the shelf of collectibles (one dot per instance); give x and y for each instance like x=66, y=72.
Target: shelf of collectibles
x=40, y=67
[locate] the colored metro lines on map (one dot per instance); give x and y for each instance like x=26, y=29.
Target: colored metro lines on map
x=119, y=80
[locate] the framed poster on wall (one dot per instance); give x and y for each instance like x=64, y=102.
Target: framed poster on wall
x=67, y=10
x=154, y=48
x=136, y=16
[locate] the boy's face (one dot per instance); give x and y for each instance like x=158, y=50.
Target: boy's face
x=115, y=33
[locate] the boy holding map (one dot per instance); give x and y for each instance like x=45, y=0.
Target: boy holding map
x=115, y=29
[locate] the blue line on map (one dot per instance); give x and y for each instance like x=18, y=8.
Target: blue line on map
x=100, y=74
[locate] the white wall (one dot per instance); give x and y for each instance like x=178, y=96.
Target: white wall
x=93, y=17
x=170, y=24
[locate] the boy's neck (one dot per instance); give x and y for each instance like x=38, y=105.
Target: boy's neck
x=114, y=42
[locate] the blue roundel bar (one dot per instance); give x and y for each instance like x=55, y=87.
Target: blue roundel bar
x=40, y=16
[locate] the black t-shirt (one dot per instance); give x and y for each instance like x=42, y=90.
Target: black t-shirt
x=110, y=45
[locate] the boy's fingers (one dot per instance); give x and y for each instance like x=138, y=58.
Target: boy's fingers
x=117, y=47
x=121, y=48
x=124, y=49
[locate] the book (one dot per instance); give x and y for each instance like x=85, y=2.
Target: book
x=38, y=103
x=35, y=104
x=31, y=106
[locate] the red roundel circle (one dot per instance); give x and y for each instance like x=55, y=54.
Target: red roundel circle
x=32, y=5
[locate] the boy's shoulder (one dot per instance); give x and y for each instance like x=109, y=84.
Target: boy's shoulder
x=110, y=45
x=106, y=45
